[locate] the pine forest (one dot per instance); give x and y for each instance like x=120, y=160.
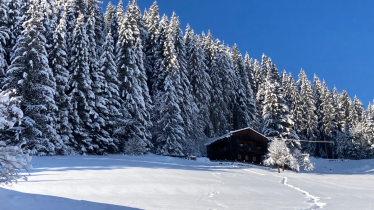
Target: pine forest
x=76, y=80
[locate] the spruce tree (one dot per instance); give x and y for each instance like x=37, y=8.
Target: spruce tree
x=134, y=91
x=116, y=117
x=309, y=129
x=327, y=115
x=317, y=95
x=4, y=38
x=111, y=21
x=169, y=130
x=31, y=77
x=249, y=69
x=359, y=110
x=82, y=94
x=200, y=82
x=189, y=109
x=244, y=103
x=227, y=77
x=58, y=62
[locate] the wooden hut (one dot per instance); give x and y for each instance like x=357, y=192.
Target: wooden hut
x=246, y=145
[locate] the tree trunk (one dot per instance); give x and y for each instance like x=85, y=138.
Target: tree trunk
x=282, y=167
x=278, y=169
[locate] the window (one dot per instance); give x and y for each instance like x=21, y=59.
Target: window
x=246, y=158
x=254, y=159
x=239, y=157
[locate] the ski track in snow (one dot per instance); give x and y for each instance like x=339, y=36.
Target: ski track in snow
x=312, y=199
x=213, y=192
x=254, y=172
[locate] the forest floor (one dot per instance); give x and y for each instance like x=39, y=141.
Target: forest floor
x=119, y=182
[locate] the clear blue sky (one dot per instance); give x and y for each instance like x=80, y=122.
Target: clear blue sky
x=333, y=39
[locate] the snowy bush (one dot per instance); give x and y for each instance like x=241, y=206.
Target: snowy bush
x=280, y=155
x=12, y=159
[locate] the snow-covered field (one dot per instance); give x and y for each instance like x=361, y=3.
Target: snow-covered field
x=155, y=182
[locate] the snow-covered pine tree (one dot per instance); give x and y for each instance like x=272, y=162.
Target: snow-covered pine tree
x=169, y=130
x=31, y=77
x=190, y=42
x=259, y=77
x=348, y=115
x=82, y=94
x=336, y=102
x=359, y=110
x=344, y=143
x=200, y=82
x=17, y=15
x=286, y=84
x=134, y=91
x=157, y=76
x=260, y=74
x=217, y=106
x=328, y=125
x=317, y=95
x=142, y=25
x=111, y=22
x=4, y=38
x=189, y=109
x=276, y=116
x=120, y=14
x=73, y=9
x=309, y=129
x=226, y=76
x=153, y=46
x=244, y=104
x=58, y=62
x=98, y=133
x=249, y=69
x=99, y=27
x=295, y=104
x=115, y=115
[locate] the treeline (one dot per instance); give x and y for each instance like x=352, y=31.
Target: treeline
x=131, y=82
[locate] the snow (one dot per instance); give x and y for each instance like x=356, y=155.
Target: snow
x=211, y=141
x=158, y=182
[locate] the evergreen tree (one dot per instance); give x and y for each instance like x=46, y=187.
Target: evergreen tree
x=200, y=82
x=348, y=115
x=153, y=46
x=82, y=94
x=309, y=129
x=328, y=125
x=31, y=77
x=111, y=21
x=4, y=38
x=17, y=15
x=260, y=74
x=257, y=75
x=169, y=130
x=189, y=109
x=58, y=62
x=134, y=91
x=116, y=117
x=317, y=95
x=227, y=77
x=249, y=69
x=217, y=106
x=359, y=110
x=120, y=14
x=244, y=103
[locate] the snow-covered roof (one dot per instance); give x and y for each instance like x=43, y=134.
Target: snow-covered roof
x=230, y=133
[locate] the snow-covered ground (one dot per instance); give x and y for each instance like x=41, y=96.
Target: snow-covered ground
x=155, y=182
